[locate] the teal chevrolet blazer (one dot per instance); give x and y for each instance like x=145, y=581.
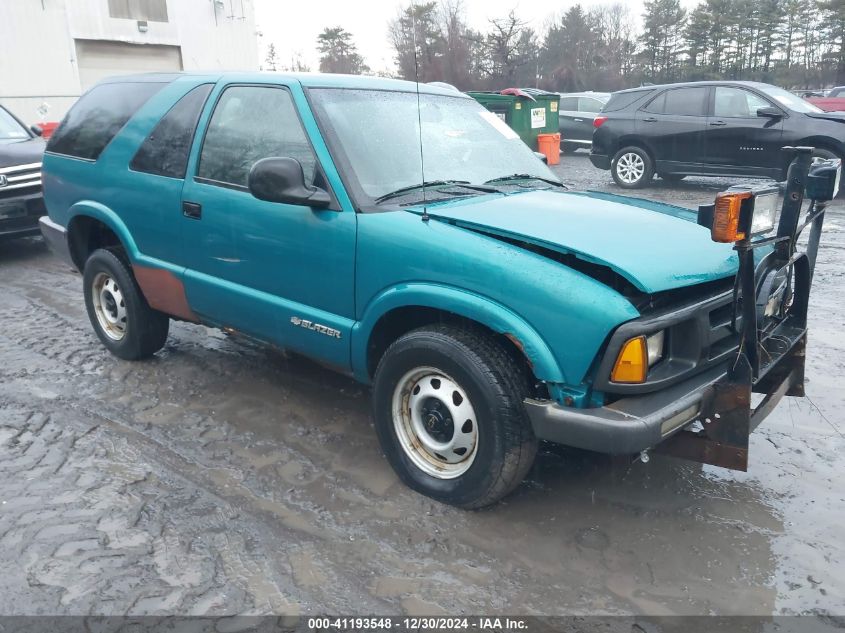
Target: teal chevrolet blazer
x=404, y=235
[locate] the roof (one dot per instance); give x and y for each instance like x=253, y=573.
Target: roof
x=752, y=84
x=308, y=80
x=586, y=93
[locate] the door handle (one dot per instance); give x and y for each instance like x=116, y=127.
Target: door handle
x=192, y=210
x=717, y=123
x=650, y=119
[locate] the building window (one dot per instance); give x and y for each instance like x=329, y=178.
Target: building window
x=149, y=10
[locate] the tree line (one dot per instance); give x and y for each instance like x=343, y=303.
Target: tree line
x=791, y=43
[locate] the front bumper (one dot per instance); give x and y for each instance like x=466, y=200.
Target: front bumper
x=629, y=425
x=19, y=215
x=600, y=160
x=719, y=399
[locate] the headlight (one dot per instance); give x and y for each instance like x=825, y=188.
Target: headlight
x=764, y=212
x=741, y=213
x=654, y=344
x=636, y=356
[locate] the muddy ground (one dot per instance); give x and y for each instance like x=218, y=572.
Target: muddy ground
x=220, y=478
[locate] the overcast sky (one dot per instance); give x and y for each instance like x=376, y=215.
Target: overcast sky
x=295, y=30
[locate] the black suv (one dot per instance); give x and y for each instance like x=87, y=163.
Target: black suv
x=21, y=202
x=713, y=128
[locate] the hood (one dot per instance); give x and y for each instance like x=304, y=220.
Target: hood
x=21, y=153
x=839, y=117
x=646, y=243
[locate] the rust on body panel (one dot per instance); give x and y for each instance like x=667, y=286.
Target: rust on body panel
x=164, y=292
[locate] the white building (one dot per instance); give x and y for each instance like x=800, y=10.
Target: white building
x=51, y=51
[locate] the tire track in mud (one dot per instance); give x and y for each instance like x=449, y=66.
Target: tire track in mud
x=120, y=557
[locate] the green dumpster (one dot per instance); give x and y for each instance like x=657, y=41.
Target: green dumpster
x=527, y=111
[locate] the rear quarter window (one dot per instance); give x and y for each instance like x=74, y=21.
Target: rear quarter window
x=165, y=151
x=97, y=118
x=621, y=100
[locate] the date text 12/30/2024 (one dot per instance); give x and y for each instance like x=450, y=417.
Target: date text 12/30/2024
x=417, y=624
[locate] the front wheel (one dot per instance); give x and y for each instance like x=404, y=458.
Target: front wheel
x=117, y=309
x=449, y=415
x=632, y=168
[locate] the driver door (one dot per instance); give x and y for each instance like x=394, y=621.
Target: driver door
x=260, y=267
x=736, y=136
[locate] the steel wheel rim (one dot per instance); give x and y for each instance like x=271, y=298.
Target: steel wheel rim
x=630, y=167
x=109, y=306
x=435, y=423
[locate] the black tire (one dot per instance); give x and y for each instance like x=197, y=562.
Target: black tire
x=672, y=177
x=622, y=176
x=495, y=384
x=568, y=148
x=138, y=331
x=821, y=152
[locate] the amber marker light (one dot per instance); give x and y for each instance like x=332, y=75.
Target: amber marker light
x=632, y=363
x=726, y=216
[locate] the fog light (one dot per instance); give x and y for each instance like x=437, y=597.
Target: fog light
x=632, y=363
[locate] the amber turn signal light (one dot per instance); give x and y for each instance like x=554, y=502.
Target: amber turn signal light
x=632, y=363
x=726, y=217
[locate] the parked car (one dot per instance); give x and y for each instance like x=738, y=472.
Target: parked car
x=21, y=203
x=576, y=112
x=488, y=306
x=832, y=101
x=732, y=128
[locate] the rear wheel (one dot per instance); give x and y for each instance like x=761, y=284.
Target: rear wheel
x=632, y=168
x=117, y=309
x=449, y=415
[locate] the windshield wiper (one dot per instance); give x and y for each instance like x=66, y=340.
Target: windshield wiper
x=434, y=183
x=524, y=177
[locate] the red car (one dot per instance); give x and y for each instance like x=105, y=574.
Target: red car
x=833, y=102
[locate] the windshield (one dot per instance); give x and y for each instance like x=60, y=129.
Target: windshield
x=377, y=134
x=789, y=100
x=10, y=130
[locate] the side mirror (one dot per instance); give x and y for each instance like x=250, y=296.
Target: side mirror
x=542, y=157
x=36, y=129
x=770, y=112
x=281, y=179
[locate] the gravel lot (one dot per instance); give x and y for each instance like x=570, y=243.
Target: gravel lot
x=222, y=478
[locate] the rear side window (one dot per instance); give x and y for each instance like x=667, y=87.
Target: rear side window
x=586, y=104
x=680, y=102
x=98, y=116
x=165, y=152
x=621, y=100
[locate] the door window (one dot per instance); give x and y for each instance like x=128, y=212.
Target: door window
x=680, y=102
x=569, y=104
x=250, y=123
x=586, y=104
x=737, y=103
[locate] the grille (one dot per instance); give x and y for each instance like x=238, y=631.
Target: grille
x=721, y=338
x=16, y=180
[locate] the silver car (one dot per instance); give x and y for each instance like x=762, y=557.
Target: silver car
x=577, y=111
